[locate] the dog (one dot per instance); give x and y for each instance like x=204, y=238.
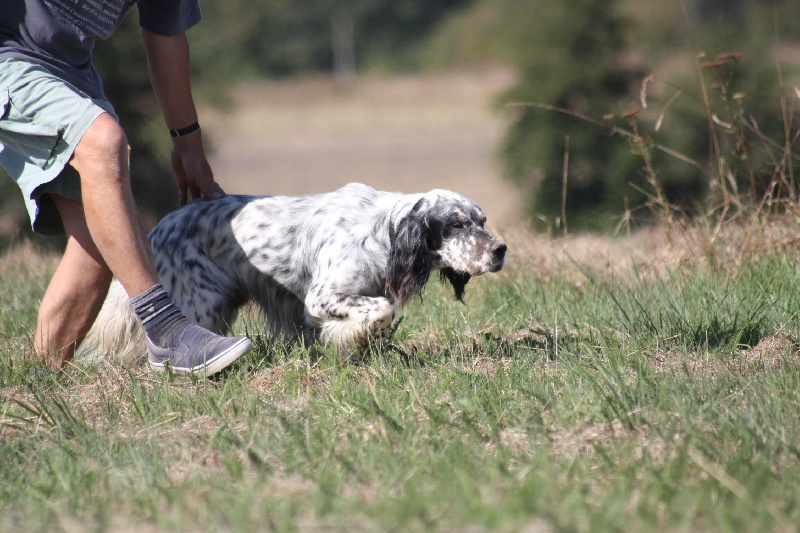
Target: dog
x=326, y=268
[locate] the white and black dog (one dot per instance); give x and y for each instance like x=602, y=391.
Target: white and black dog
x=325, y=268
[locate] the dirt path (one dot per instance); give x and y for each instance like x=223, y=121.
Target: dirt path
x=408, y=134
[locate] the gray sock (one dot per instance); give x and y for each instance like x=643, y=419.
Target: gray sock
x=162, y=321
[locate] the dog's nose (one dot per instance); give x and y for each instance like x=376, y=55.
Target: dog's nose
x=499, y=250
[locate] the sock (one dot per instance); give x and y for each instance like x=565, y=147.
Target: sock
x=162, y=321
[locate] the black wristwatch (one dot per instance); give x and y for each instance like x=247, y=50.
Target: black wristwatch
x=184, y=131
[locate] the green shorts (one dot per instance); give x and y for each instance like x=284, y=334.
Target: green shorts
x=42, y=120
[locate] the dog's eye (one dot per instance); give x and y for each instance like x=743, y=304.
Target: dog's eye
x=456, y=224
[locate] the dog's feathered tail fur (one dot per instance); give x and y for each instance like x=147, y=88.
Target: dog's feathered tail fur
x=117, y=334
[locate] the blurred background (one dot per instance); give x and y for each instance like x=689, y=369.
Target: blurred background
x=586, y=114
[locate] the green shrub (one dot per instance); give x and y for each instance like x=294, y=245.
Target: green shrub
x=617, y=108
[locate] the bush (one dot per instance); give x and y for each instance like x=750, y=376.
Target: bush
x=612, y=111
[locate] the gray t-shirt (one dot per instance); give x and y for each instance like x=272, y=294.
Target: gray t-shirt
x=60, y=34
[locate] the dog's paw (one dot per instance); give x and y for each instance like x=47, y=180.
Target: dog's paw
x=370, y=323
x=379, y=320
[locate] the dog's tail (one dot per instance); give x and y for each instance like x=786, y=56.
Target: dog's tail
x=117, y=335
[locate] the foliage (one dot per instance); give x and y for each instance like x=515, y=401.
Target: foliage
x=647, y=115
x=280, y=38
x=14, y=221
x=575, y=62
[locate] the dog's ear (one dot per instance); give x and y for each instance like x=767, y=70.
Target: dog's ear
x=458, y=280
x=409, y=260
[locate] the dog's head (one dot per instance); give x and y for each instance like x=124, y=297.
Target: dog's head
x=442, y=231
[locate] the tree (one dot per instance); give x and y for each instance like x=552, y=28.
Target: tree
x=282, y=38
x=573, y=59
x=585, y=75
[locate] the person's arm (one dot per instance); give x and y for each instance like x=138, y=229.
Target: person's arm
x=168, y=67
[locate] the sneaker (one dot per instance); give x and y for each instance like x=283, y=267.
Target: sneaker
x=198, y=352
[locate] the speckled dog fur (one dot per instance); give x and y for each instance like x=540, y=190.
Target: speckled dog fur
x=327, y=268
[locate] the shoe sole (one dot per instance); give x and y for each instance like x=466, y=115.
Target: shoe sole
x=222, y=361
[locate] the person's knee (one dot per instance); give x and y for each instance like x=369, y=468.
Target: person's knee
x=104, y=143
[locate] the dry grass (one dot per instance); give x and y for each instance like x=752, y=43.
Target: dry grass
x=650, y=252
x=25, y=256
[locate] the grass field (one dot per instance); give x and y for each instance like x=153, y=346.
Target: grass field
x=639, y=384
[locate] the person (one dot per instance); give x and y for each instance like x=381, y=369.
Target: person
x=62, y=144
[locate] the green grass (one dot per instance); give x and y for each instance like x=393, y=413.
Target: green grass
x=566, y=395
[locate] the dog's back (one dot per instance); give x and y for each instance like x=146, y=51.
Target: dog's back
x=214, y=255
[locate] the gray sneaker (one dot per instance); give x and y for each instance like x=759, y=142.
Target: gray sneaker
x=198, y=352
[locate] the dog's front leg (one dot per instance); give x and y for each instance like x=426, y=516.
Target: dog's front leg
x=349, y=322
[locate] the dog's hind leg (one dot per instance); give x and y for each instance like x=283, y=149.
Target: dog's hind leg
x=209, y=308
x=349, y=322
x=205, y=293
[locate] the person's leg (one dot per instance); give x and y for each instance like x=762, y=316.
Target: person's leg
x=104, y=228
x=112, y=218
x=76, y=292
x=104, y=235
x=114, y=224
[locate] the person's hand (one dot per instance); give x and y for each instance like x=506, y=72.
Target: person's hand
x=193, y=173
